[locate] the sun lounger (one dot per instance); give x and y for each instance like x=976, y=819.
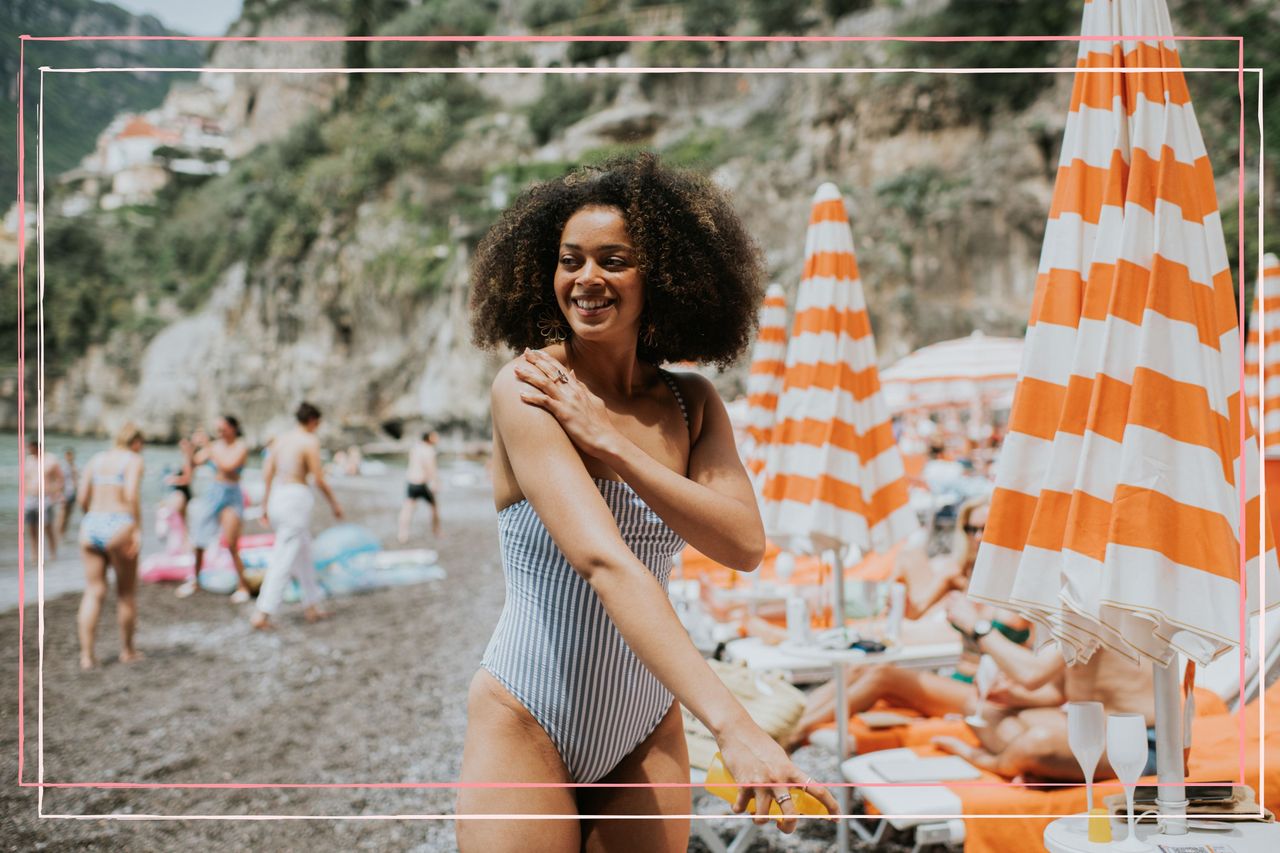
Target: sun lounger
x=1215, y=756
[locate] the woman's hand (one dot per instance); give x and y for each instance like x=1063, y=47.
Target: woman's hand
x=581, y=413
x=753, y=758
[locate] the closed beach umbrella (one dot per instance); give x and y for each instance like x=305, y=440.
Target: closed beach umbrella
x=834, y=477
x=1116, y=514
x=953, y=373
x=764, y=383
x=1264, y=409
x=1265, y=318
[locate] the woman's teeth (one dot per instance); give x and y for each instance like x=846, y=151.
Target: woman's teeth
x=591, y=304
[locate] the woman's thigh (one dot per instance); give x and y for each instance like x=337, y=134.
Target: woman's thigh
x=504, y=743
x=661, y=757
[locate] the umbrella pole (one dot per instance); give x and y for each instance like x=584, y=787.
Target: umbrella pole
x=842, y=701
x=1171, y=800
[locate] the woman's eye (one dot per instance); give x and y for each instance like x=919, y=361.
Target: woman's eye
x=568, y=260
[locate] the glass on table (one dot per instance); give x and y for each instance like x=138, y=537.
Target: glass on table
x=1087, y=737
x=1127, y=752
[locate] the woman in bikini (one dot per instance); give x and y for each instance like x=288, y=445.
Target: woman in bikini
x=111, y=536
x=604, y=466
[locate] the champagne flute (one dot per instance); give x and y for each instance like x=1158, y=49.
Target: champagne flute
x=1127, y=752
x=988, y=669
x=1087, y=736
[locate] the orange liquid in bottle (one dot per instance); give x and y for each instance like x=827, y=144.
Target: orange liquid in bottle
x=720, y=782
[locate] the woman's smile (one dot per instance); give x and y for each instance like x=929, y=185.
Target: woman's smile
x=598, y=282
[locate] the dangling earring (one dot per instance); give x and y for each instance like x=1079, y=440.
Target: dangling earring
x=650, y=335
x=552, y=329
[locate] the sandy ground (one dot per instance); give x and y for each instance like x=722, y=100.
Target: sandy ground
x=374, y=695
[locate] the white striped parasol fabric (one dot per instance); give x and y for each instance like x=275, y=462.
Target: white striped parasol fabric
x=953, y=373
x=834, y=476
x=1116, y=514
x=1265, y=317
x=764, y=383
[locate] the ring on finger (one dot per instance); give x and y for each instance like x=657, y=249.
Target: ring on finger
x=782, y=798
x=561, y=376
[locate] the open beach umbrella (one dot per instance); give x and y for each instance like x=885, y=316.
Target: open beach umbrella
x=953, y=373
x=1265, y=318
x=764, y=383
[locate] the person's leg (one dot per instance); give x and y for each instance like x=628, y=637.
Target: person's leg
x=504, y=743
x=64, y=518
x=662, y=757
x=231, y=524
x=126, y=567
x=1040, y=750
x=283, y=554
x=51, y=529
x=95, y=592
x=435, y=518
x=304, y=569
x=930, y=694
x=32, y=520
x=406, y=518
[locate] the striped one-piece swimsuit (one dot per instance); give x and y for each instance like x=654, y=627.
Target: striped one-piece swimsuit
x=556, y=650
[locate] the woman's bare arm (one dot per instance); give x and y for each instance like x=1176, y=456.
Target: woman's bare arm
x=553, y=479
x=228, y=459
x=713, y=508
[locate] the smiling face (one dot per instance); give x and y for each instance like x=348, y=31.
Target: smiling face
x=598, y=284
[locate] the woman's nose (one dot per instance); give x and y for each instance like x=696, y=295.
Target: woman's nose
x=588, y=274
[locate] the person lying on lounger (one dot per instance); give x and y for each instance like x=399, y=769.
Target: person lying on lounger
x=1031, y=742
x=928, y=587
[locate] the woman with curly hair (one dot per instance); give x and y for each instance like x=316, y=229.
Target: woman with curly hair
x=604, y=466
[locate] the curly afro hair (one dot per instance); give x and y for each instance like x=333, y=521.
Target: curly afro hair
x=702, y=271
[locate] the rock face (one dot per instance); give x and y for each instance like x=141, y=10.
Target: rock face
x=947, y=225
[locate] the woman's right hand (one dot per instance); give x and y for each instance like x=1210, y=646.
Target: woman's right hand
x=754, y=759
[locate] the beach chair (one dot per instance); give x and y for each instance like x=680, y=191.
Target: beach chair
x=934, y=814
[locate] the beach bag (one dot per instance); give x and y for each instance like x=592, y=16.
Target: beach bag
x=774, y=704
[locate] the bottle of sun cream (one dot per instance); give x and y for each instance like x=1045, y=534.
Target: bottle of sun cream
x=720, y=783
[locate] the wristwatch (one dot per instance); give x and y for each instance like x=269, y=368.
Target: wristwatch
x=980, y=629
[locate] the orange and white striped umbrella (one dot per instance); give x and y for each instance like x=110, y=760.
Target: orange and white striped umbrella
x=834, y=475
x=1116, y=514
x=764, y=383
x=1265, y=317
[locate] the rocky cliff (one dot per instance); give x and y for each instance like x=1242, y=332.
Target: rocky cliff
x=351, y=290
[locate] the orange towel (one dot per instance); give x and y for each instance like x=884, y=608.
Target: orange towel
x=1215, y=754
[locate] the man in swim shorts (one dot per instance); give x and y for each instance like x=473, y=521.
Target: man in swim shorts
x=37, y=469
x=424, y=483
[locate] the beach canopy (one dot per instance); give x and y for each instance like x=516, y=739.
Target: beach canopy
x=1257, y=354
x=834, y=476
x=968, y=370
x=1117, y=511
x=764, y=383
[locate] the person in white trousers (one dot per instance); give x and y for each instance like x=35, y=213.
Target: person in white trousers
x=288, y=501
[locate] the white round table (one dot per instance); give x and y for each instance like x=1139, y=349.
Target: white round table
x=1246, y=837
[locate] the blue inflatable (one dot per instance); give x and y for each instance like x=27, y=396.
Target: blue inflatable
x=340, y=543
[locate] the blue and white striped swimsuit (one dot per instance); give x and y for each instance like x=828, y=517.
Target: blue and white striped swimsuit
x=556, y=650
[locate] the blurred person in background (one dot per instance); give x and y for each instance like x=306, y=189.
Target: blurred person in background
x=111, y=536
x=423, y=484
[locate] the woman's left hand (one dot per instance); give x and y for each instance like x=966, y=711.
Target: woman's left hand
x=581, y=413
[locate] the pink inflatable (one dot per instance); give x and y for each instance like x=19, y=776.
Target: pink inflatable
x=176, y=561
